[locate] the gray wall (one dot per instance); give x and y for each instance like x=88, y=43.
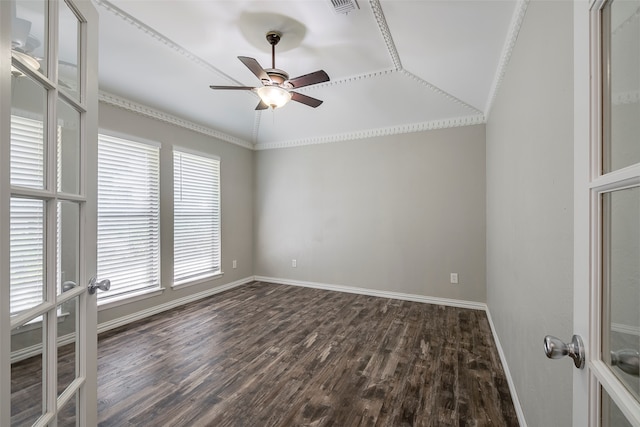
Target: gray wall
x=237, y=193
x=396, y=213
x=530, y=210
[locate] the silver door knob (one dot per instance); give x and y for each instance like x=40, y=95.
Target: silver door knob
x=627, y=360
x=555, y=348
x=94, y=285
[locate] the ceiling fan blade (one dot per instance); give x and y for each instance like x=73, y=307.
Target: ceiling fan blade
x=262, y=105
x=309, y=79
x=306, y=100
x=232, y=87
x=255, y=68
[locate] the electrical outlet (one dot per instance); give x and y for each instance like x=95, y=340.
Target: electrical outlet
x=235, y=263
x=454, y=278
x=294, y=263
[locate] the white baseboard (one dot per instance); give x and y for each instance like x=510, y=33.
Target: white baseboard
x=376, y=293
x=121, y=321
x=507, y=373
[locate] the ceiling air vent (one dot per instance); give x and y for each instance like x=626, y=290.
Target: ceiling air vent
x=344, y=6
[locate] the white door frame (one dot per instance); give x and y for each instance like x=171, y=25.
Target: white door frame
x=588, y=183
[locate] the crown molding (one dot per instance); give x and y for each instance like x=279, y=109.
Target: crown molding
x=350, y=79
x=162, y=39
x=441, y=92
x=404, y=73
x=507, y=50
x=371, y=133
x=143, y=110
x=376, y=7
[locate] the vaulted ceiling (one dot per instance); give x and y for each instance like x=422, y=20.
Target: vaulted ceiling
x=395, y=66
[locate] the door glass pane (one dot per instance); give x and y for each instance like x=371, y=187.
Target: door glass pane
x=67, y=328
x=622, y=90
x=29, y=35
x=26, y=276
x=28, y=106
x=612, y=416
x=68, y=55
x=67, y=414
x=621, y=279
x=68, y=245
x=68, y=148
x=27, y=402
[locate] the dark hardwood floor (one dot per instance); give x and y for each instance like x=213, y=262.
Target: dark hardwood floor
x=275, y=355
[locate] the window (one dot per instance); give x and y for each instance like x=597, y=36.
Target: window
x=128, y=216
x=196, y=217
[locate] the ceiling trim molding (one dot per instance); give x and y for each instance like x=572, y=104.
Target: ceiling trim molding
x=105, y=4
x=371, y=133
x=390, y=71
x=441, y=92
x=143, y=110
x=507, y=50
x=376, y=7
x=347, y=80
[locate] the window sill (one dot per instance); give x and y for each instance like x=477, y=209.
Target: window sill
x=128, y=298
x=197, y=280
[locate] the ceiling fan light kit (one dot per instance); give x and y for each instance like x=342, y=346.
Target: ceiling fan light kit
x=276, y=86
x=274, y=96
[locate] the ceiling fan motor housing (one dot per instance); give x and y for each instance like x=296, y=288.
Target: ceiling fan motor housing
x=278, y=77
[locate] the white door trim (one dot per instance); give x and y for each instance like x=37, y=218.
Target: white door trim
x=581, y=204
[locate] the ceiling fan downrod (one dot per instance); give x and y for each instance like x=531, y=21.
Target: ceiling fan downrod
x=273, y=37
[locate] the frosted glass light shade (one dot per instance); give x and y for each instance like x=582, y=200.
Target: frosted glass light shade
x=274, y=96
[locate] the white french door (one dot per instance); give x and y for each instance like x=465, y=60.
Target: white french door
x=48, y=134
x=607, y=211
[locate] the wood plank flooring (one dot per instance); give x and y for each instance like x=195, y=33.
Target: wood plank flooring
x=275, y=355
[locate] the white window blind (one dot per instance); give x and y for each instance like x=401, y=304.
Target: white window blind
x=27, y=254
x=26, y=232
x=196, y=216
x=128, y=216
x=27, y=152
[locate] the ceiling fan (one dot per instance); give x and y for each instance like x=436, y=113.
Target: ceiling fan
x=276, y=89
x=23, y=44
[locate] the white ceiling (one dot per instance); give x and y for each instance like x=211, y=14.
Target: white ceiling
x=395, y=66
